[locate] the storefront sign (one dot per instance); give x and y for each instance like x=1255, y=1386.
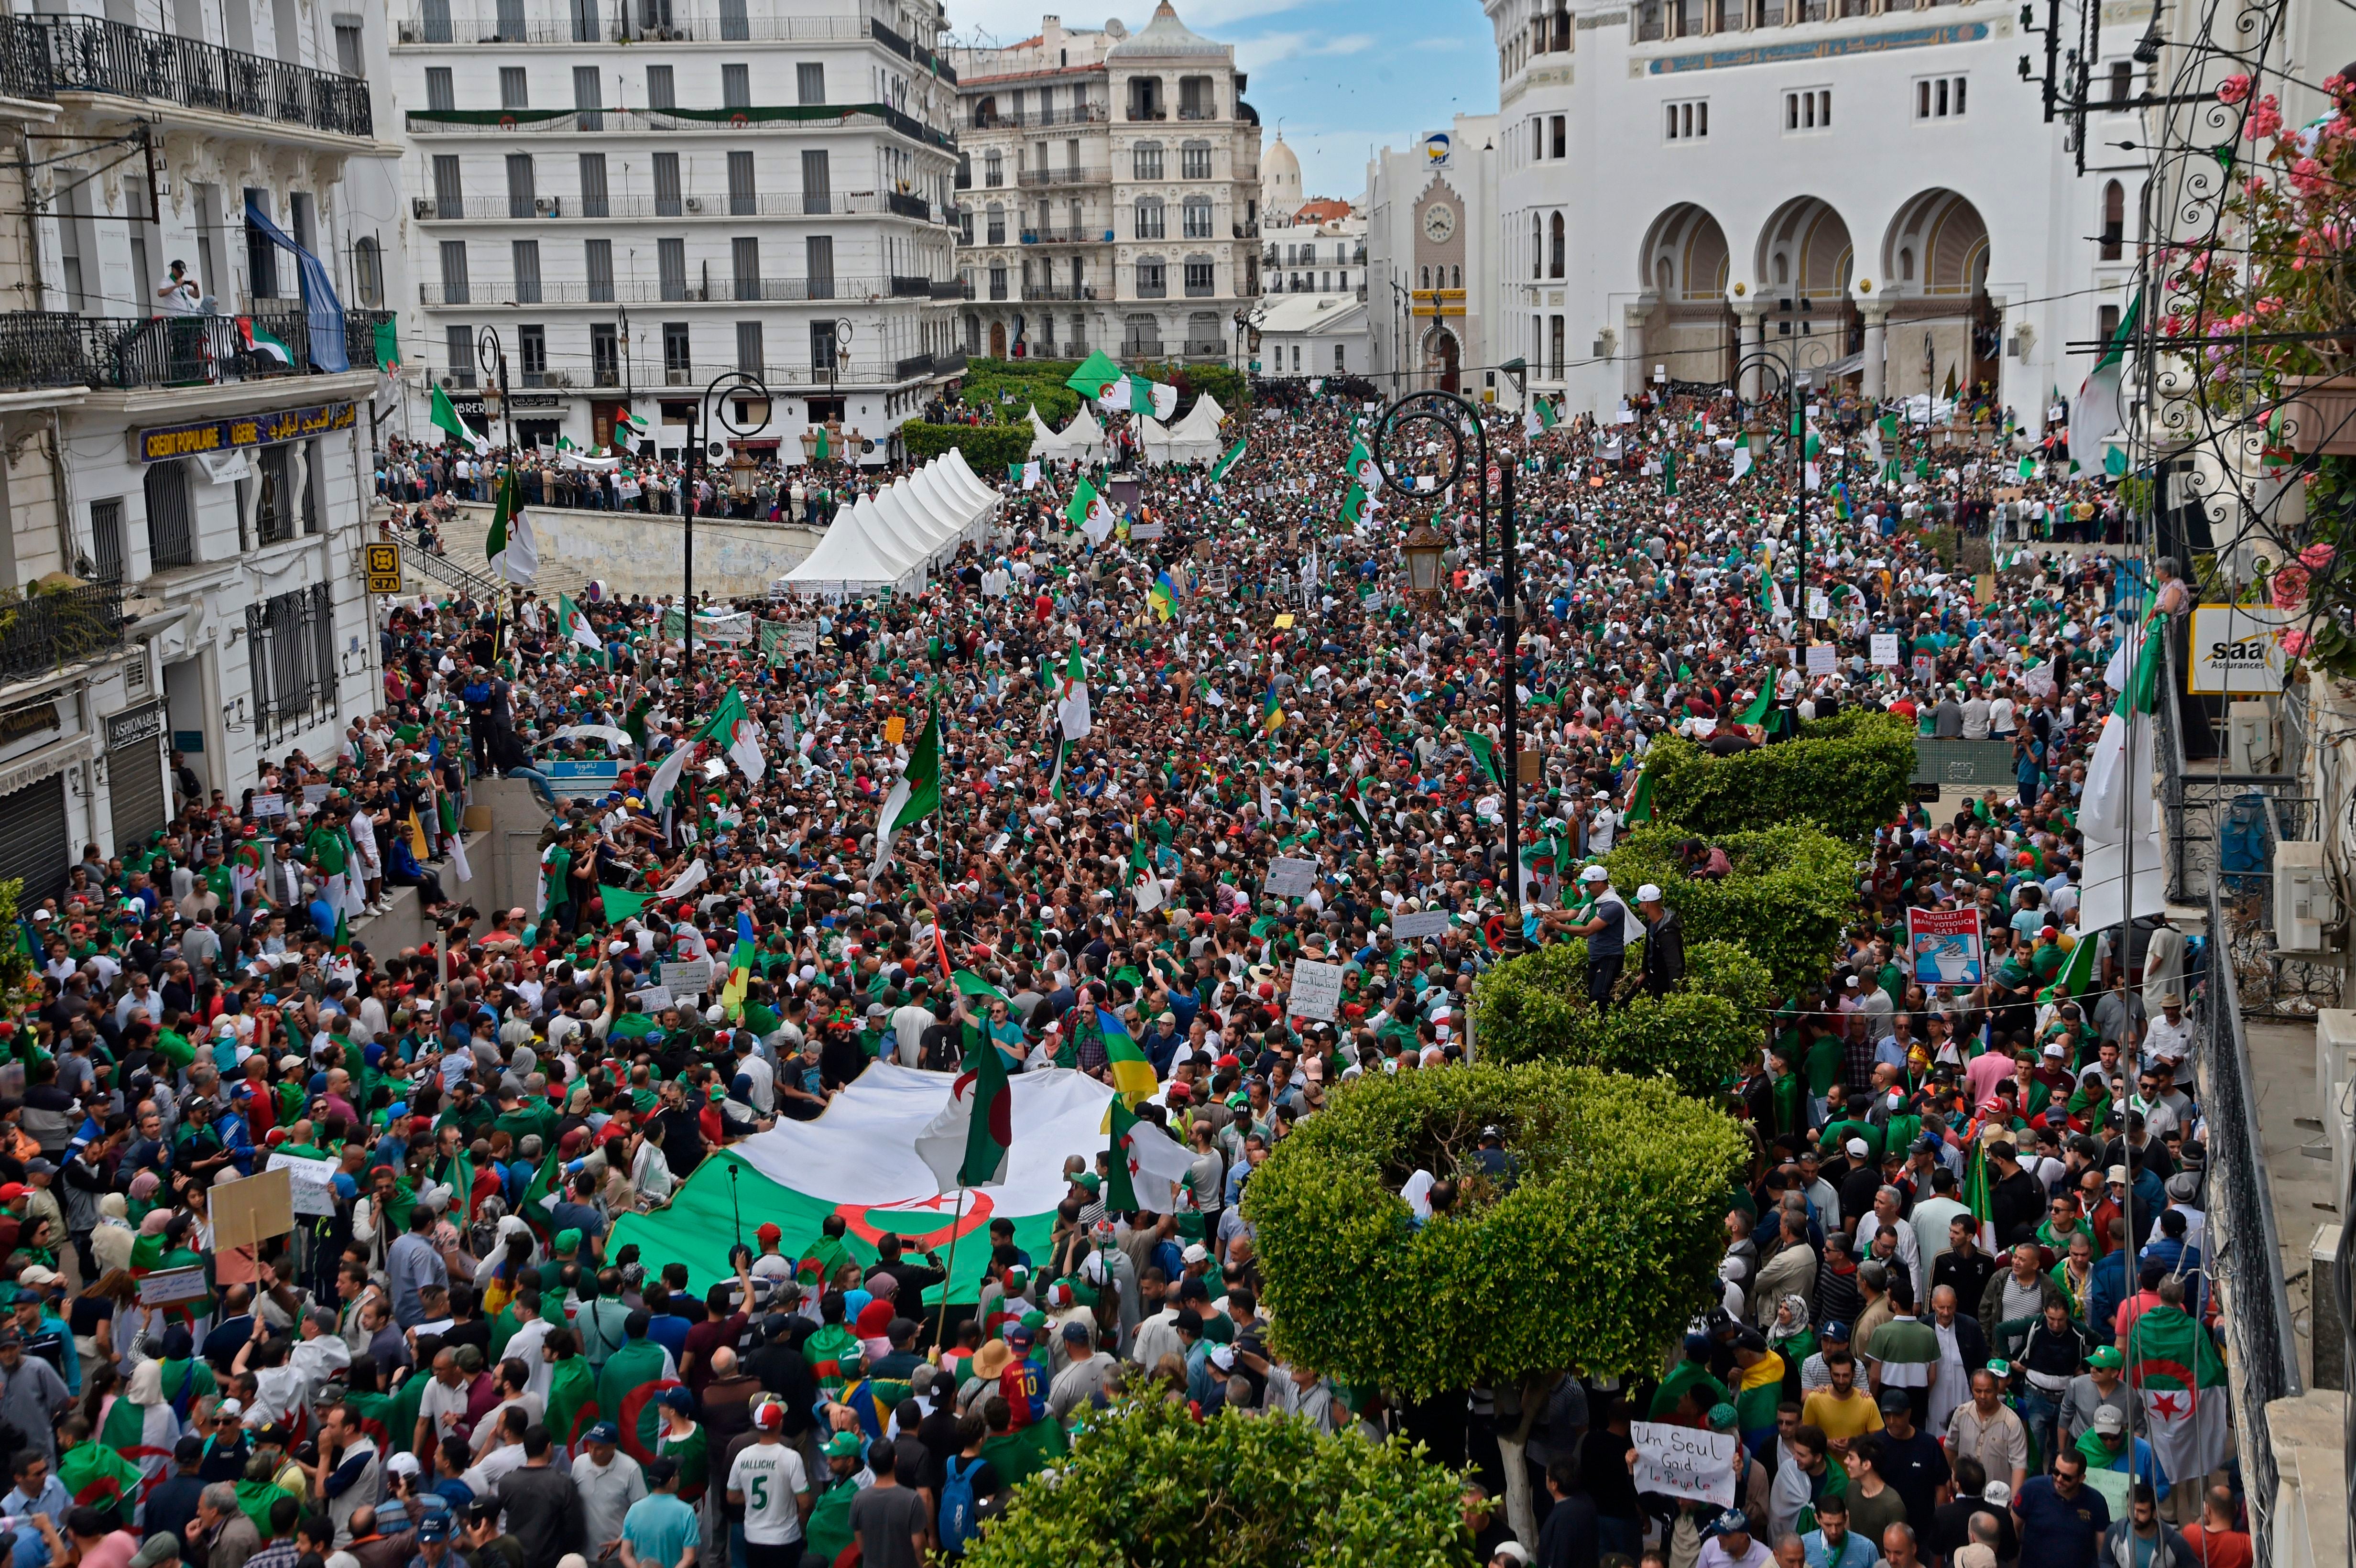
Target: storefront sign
x=167, y=442
x=132, y=728
x=2237, y=649
x=28, y=719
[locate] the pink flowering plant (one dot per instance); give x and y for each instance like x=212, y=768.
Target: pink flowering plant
x=2280, y=264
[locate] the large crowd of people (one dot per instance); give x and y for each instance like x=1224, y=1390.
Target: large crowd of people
x=448, y=1359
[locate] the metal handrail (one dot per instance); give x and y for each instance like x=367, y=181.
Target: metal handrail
x=87, y=54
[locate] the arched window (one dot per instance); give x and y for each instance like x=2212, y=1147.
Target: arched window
x=995, y=234
x=1538, y=246
x=1149, y=218
x=1555, y=248
x=1197, y=218
x=1906, y=263
x=1426, y=279
x=2114, y=220
x=1145, y=161
x=1455, y=277
x=368, y=272
x=985, y=113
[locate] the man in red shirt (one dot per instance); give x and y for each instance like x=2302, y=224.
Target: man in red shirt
x=2215, y=1542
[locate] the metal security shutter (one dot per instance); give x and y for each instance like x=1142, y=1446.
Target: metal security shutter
x=33, y=840
x=134, y=783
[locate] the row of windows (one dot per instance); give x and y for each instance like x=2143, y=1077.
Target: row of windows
x=1448, y=278
x=1277, y=364
x=668, y=198
x=525, y=285
x=604, y=342
x=1150, y=219
x=661, y=87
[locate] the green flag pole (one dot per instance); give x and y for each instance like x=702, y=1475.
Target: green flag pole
x=957, y=1223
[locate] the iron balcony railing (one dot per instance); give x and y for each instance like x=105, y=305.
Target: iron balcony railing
x=52, y=348
x=552, y=208
x=1205, y=349
x=1083, y=114
x=43, y=632
x=1142, y=349
x=1138, y=114
x=589, y=24
x=951, y=288
x=721, y=289
x=1068, y=237
x=1041, y=292
x=504, y=126
x=88, y=55
x=1062, y=176
x=24, y=60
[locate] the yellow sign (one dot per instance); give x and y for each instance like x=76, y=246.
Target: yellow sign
x=381, y=563
x=893, y=727
x=1284, y=622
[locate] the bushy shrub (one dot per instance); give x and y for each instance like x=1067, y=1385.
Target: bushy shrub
x=1593, y=1252
x=988, y=447
x=1789, y=899
x=1849, y=774
x=1148, y=1483
x=1535, y=1009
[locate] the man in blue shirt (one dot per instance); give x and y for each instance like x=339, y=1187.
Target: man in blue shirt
x=2059, y=1517
x=660, y=1530
x=1830, y=1544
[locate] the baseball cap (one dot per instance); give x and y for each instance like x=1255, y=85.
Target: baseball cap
x=2105, y=1355
x=843, y=1446
x=1648, y=893
x=1856, y=1148
x=603, y=1432
x=770, y=1416
x=1835, y=1331
x=1077, y=1333
x=1893, y=1399
x=1595, y=874
x=434, y=1526
x=2110, y=1421
x=769, y=1232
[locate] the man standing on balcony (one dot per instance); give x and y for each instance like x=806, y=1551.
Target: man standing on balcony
x=180, y=300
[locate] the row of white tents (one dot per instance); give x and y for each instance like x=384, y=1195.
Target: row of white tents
x=1194, y=439
x=893, y=537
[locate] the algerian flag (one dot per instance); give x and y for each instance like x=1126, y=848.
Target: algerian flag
x=666, y=778
x=514, y=554
x=446, y=417
x=915, y=796
x=620, y=903
x=1115, y=396
x=1235, y=455
x=1668, y=471
x=2096, y=416
x=1484, y=753
x=573, y=626
x=1030, y=475
x=1362, y=469
x=2028, y=467
x=1150, y=1164
x=1155, y=397
x=1093, y=374
x=733, y=727
x=388, y=352
x=1639, y=802
x=1540, y=418
x=2174, y=1367
x=1355, y=507
x=967, y=1141
x=1072, y=707
x=861, y=1162
x=687, y=880
x=1083, y=501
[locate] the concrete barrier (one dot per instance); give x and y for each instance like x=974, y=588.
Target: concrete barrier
x=638, y=553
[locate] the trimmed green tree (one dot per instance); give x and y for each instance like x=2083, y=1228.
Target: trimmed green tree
x=1792, y=894
x=1847, y=774
x=988, y=447
x=1535, y=1009
x=1148, y=1483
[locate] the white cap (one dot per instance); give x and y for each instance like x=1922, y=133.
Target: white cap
x=1595, y=874
x=1648, y=894
x=1856, y=1148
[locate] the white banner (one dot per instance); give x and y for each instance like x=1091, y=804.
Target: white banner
x=1316, y=991
x=1685, y=1462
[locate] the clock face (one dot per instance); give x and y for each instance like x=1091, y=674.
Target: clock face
x=1439, y=223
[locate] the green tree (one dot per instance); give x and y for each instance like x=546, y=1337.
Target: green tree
x=1535, y=1009
x=988, y=447
x=1789, y=896
x=1848, y=774
x=1147, y=1483
x=1593, y=1252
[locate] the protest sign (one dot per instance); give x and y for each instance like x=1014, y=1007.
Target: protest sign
x=1290, y=878
x=1948, y=948
x=1316, y=990
x=1685, y=1462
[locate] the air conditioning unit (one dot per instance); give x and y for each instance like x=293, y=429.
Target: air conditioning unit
x=548, y=206
x=2305, y=903
x=695, y=204
x=421, y=207
x=406, y=33
x=2249, y=737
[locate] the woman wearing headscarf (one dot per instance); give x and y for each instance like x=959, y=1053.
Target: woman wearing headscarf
x=139, y=1423
x=1791, y=1335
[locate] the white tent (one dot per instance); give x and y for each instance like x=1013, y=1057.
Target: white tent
x=1194, y=439
x=1083, y=437
x=1045, y=441
x=893, y=537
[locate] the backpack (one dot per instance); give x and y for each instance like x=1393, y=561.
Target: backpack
x=957, y=1509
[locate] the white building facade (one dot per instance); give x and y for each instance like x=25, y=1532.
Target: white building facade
x=1314, y=321
x=640, y=199
x=1433, y=260
x=1111, y=186
x=1862, y=190
x=187, y=412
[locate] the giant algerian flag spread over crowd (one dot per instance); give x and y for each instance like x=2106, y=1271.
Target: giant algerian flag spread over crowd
x=860, y=1159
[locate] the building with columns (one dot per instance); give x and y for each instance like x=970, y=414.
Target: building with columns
x=1110, y=187
x=1862, y=189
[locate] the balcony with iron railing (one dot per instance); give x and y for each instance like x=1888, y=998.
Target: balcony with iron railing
x=799, y=376
x=721, y=289
x=502, y=125
x=515, y=22
x=1142, y=349
x=1063, y=177
x=1198, y=112
x=1061, y=294
x=53, y=349
x=1141, y=115
x=86, y=54
x=44, y=632
x=1020, y=119
x=1067, y=236
x=952, y=289
x=1205, y=349
x=546, y=208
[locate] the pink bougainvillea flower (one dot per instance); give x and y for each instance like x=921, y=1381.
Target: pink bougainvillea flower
x=2290, y=587
x=2265, y=119
x=2296, y=643
x=2315, y=557
x=2232, y=89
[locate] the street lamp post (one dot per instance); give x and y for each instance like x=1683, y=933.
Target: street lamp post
x=1454, y=417
x=754, y=394
x=1785, y=361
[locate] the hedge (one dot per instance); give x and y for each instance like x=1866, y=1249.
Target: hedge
x=1148, y=1483
x=1535, y=1009
x=1007, y=388
x=990, y=448
x=1847, y=774
x=1791, y=896
x=1594, y=1255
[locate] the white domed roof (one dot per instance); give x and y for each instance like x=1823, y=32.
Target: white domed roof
x=1277, y=162
x=1165, y=36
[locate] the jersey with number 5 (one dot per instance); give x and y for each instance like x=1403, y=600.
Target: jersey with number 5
x=768, y=1474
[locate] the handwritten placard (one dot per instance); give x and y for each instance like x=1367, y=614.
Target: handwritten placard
x=1289, y=878
x=166, y=1285
x=691, y=978
x=1316, y=990
x=1417, y=926
x=311, y=1184
x=1685, y=1462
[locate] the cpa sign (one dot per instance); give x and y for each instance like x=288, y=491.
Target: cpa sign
x=2236, y=649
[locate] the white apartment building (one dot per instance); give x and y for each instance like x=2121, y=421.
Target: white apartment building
x=1858, y=189
x=639, y=198
x=192, y=460
x=1111, y=189
x=1433, y=261
x=1313, y=266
